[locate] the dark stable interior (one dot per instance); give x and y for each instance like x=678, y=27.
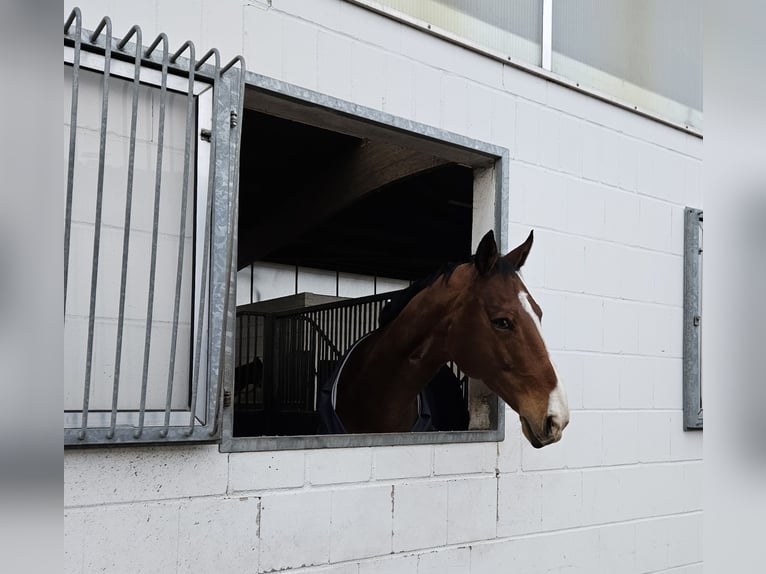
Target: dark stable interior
x=326, y=200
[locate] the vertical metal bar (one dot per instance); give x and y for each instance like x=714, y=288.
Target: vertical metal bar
x=206, y=237
x=75, y=15
x=182, y=231
x=105, y=23
x=692, y=319
x=135, y=30
x=155, y=227
x=234, y=149
x=547, y=34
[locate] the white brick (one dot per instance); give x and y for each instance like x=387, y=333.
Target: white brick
x=621, y=320
x=677, y=228
x=420, y=515
x=295, y=530
x=142, y=473
x=565, y=263
x=509, y=449
x=603, y=495
x=299, y=53
x=266, y=470
x=334, y=65
x=601, y=389
x=585, y=208
x=262, y=33
x=593, y=151
x=668, y=275
x=471, y=510
x=570, y=132
x=527, y=132
x=621, y=217
x=140, y=537
x=662, y=487
x=361, y=523
x=503, y=121
x=397, y=564
x=661, y=174
x=502, y=556
x=685, y=539
x=602, y=260
x=543, y=194
x=525, y=85
x=479, y=112
x=398, y=96
x=180, y=29
x=454, y=103
x=668, y=386
x=636, y=383
x=653, y=436
x=684, y=445
x=620, y=438
x=331, y=466
x=519, y=504
x=450, y=561
x=659, y=331
x=402, y=462
x=204, y=546
x=617, y=548
x=628, y=163
x=562, y=499
x=426, y=96
x=652, y=545
x=610, y=161
x=366, y=26
x=584, y=324
x=693, y=480
x=654, y=221
x=465, y=458
x=568, y=551
x=693, y=182
x=367, y=81
x=636, y=275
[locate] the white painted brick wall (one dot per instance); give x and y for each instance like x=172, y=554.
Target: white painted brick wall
x=604, y=190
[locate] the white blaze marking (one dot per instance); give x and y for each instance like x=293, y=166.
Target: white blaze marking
x=558, y=405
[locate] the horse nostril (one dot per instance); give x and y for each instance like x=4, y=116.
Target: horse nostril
x=549, y=425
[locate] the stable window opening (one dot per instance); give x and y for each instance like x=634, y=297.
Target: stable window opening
x=337, y=213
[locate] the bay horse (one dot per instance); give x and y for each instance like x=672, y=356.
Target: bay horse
x=478, y=314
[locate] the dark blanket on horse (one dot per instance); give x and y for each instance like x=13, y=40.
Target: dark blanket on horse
x=441, y=406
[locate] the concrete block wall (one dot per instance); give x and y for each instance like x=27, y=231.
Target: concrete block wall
x=604, y=190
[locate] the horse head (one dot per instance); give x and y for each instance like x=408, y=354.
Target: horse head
x=496, y=336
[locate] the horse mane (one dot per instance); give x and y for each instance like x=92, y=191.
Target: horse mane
x=400, y=299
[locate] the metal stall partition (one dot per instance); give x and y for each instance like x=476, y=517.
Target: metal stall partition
x=150, y=232
x=283, y=358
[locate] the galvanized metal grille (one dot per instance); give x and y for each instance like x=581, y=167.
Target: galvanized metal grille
x=149, y=236
x=284, y=357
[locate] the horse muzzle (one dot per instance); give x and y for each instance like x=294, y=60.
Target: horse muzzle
x=551, y=431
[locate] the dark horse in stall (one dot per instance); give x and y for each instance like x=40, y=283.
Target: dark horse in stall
x=478, y=314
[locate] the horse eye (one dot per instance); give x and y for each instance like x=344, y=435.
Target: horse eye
x=503, y=323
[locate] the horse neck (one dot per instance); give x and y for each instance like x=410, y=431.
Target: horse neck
x=396, y=362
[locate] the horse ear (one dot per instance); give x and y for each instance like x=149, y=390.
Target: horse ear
x=486, y=253
x=519, y=255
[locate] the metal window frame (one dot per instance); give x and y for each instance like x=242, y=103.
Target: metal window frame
x=213, y=276
x=342, y=115
x=692, y=320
